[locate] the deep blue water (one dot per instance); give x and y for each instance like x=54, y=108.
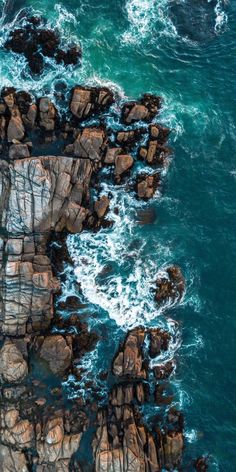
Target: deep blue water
x=184, y=50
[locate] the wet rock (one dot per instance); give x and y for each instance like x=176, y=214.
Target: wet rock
x=19, y=151
x=155, y=153
x=57, y=352
x=13, y=367
x=123, y=163
x=47, y=112
x=159, y=132
x=201, y=464
x=159, y=341
x=15, y=431
x=170, y=285
x=111, y=155
x=164, y=371
x=160, y=397
x=129, y=139
x=101, y=206
x=91, y=143
x=147, y=185
x=143, y=110
x=129, y=360
x=35, y=42
x=11, y=460
x=15, y=130
x=87, y=101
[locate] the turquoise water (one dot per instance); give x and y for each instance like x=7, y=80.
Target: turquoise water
x=184, y=51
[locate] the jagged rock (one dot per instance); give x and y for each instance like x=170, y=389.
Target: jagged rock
x=57, y=351
x=164, y=371
x=127, y=393
x=47, y=112
x=13, y=367
x=19, y=151
x=11, y=460
x=111, y=155
x=15, y=130
x=147, y=185
x=89, y=100
x=15, y=431
x=54, y=445
x=155, y=153
x=101, y=206
x=123, y=162
x=129, y=139
x=160, y=397
x=170, y=285
x=143, y=110
x=159, y=341
x=159, y=132
x=129, y=360
x=35, y=41
x=91, y=143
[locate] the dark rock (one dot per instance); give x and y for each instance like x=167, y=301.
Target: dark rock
x=159, y=341
x=129, y=139
x=147, y=184
x=164, y=371
x=201, y=464
x=143, y=110
x=170, y=285
x=155, y=153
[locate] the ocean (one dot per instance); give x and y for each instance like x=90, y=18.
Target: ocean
x=185, y=51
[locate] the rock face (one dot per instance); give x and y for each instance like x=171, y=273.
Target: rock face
x=57, y=352
x=129, y=361
x=90, y=143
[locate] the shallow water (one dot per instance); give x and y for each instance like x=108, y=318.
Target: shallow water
x=184, y=51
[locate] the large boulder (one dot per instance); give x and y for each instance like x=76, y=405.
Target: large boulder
x=144, y=109
x=91, y=143
x=123, y=163
x=170, y=285
x=57, y=352
x=129, y=360
x=13, y=367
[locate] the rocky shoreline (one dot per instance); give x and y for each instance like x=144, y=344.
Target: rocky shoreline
x=43, y=198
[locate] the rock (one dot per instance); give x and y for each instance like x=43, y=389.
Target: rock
x=47, y=112
x=91, y=143
x=159, y=341
x=201, y=464
x=13, y=367
x=15, y=431
x=129, y=139
x=15, y=130
x=170, y=285
x=19, y=151
x=35, y=42
x=87, y=101
x=70, y=56
x=164, y=371
x=111, y=155
x=57, y=351
x=143, y=110
x=147, y=185
x=129, y=360
x=11, y=460
x=155, y=153
x=123, y=162
x=159, y=132
x=101, y=206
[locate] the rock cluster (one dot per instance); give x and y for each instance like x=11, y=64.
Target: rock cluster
x=122, y=441
x=42, y=199
x=36, y=41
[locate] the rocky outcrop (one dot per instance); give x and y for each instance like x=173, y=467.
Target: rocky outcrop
x=143, y=110
x=35, y=41
x=147, y=184
x=91, y=143
x=122, y=442
x=170, y=285
x=87, y=101
x=13, y=367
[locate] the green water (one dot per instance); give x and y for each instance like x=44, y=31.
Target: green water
x=186, y=53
